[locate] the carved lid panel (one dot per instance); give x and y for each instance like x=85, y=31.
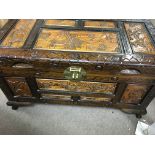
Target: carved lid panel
x=56, y=22
x=139, y=38
x=100, y=24
x=86, y=40
x=18, y=35
x=83, y=41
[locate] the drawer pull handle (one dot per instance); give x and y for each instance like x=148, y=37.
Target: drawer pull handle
x=22, y=65
x=75, y=98
x=130, y=71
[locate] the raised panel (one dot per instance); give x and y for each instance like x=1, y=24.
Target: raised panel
x=82, y=86
x=100, y=24
x=18, y=35
x=59, y=22
x=19, y=87
x=82, y=41
x=134, y=93
x=139, y=38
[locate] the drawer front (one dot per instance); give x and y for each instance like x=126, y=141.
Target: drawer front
x=70, y=98
x=70, y=86
x=134, y=93
x=19, y=86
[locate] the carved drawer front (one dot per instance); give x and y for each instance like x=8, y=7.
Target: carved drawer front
x=134, y=93
x=19, y=87
x=69, y=98
x=70, y=86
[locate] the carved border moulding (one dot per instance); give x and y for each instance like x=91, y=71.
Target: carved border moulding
x=138, y=59
x=77, y=57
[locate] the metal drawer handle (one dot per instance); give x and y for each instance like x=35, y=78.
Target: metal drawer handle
x=22, y=65
x=75, y=98
x=130, y=71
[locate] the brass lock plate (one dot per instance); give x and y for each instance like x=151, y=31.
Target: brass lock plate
x=74, y=73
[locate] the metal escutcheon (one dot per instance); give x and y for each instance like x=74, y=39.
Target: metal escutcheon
x=74, y=73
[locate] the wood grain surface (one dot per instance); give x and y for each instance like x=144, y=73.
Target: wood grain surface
x=18, y=35
x=83, y=41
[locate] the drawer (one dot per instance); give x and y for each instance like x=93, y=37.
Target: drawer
x=78, y=87
x=75, y=98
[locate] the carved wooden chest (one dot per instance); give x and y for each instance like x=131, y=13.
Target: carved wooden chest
x=107, y=63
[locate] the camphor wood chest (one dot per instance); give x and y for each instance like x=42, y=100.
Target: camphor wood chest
x=107, y=63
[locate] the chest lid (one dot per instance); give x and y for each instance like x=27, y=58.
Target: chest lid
x=90, y=41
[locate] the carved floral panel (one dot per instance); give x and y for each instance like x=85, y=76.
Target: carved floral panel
x=18, y=35
x=83, y=41
x=139, y=38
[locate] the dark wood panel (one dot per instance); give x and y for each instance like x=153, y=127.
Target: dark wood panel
x=133, y=94
x=18, y=86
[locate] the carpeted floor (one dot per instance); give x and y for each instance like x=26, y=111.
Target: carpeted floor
x=59, y=119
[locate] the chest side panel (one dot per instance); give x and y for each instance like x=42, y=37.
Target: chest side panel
x=134, y=93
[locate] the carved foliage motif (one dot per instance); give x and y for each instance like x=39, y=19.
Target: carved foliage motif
x=134, y=93
x=19, y=87
x=18, y=34
x=139, y=38
x=82, y=86
x=83, y=41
